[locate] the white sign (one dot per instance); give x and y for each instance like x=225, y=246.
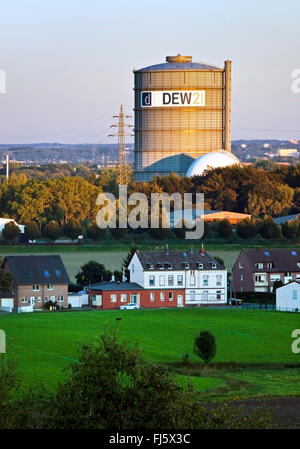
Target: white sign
x=172, y=98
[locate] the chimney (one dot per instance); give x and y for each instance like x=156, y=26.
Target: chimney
x=112, y=278
x=167, y=249
x=202, y=250
x=124, y=278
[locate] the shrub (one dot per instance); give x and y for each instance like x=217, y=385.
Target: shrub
x=205, y=346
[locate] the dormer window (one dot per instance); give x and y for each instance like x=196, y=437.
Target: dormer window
x=212, y=265
x=186, y=265
x=259, y=266
x=199, y=265
x=150, y=266
x=269, y=265
x=160, y=266
x=168, y=266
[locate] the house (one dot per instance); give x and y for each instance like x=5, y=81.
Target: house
x=288, y=297
x=4, y=221
x=112, y=295
x=199, y=275
x=36, y=280
x=257, y=269
x=176, y=216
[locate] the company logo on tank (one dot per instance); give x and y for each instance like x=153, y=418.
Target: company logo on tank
x=171, y=98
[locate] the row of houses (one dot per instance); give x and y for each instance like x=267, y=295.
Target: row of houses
x=156, y=279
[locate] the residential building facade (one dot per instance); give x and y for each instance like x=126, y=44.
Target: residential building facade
x=199, y=275
x=37, y=280
x=258, y=269
x=288, y=297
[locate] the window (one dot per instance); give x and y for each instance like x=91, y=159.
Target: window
x=132, y=268
x=46, y=298
x=113, y=297
x=35, y=288
x=295, y=296
x=242, y=277
x=241, y=265
x=60, y=299
x=298, y=264
x=58, y=273
x=205, y=279
x=186, y=265
x=123, y=297
x=199, y=265
x=259, y=265
x=180, y=279
x=192, y=294
x=152, y=296
x=162, y=296
x=266, y=253
x=162, y=280
x=24, y=300
x=168, y=265
x=219, y=279
x=170, y=296
x=53, y=298
x=46, y=273
x=151, y=280
x=171, y=280
x=39, y=299
x=212, y=265
x=293, y=253
x=150, y=266
x=193, y=280
x=269, y=265
x=50, y=287
x=205, y=295
x=275, y=277
x=259, y=278
x=160, y=266
x=219, y=294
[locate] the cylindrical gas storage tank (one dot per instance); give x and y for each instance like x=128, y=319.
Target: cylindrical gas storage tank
x=182, y=111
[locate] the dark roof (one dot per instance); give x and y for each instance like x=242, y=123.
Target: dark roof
x=283, y=259
x=116, y=286
x=27, y=270
x=179, y=66
x=177, y=258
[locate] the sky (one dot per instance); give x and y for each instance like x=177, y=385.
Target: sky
x=69, y=63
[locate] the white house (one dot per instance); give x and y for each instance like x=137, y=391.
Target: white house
x=288, y=297
x=199, y=274
x=3, y=222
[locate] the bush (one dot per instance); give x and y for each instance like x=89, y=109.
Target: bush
x=225, y=229
x=247, y=229
x=205, y=346
x=269, y=229
x=11, y=231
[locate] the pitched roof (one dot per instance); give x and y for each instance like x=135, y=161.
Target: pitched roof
x=283, y=259
x=116, y=286
x=177, y=260
x=47, y=269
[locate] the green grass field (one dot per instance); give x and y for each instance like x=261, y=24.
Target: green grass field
x=45, y=343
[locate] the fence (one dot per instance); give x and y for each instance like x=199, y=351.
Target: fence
x=248, y=305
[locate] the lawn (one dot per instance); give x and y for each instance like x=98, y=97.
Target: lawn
x=45, y=343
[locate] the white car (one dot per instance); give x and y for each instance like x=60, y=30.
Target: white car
x=130, y=306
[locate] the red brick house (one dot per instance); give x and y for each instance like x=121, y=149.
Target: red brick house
x=257, y=269
x=112, y=295
x=36, y=280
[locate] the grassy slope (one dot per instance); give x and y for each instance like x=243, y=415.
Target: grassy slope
x=45, y=343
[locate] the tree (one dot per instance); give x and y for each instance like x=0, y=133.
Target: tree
x=32, y=230
x=219, y=260
x=94, y=232
x=269, y=229
x=112, y=387
x=290, y=229
x=51, y=231
x=127, y=260
x=11, y=231
x=72, y=229
x=205, y=346
x=225, y=229
x=91, y=273
x=276, y=285
x=247, y=228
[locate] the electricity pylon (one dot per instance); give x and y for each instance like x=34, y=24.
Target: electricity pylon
x=121, y=133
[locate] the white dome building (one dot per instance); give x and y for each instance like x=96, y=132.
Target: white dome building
x=221, y=158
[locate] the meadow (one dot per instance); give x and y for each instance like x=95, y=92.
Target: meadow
x=253, y=358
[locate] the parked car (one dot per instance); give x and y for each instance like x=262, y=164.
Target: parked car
x=236, y=302
x=130, y=306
